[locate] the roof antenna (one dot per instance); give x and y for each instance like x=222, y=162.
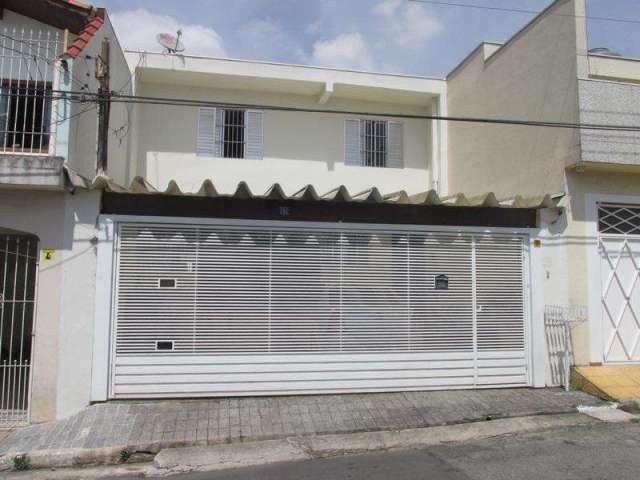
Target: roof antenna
x=171, y=43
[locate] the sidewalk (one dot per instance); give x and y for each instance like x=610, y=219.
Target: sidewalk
x=150, y=426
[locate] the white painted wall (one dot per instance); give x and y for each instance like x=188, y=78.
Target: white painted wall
x=41, y=213
x=299, y=148
x=66, y=289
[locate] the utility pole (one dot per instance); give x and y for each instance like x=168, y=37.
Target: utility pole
x=104, y=105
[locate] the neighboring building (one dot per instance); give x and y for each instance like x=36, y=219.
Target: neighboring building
x=48, y=47
x=545, y=72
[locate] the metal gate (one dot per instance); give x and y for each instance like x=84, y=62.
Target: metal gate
x=236, y=309
x=18, y=266
x=619, y=242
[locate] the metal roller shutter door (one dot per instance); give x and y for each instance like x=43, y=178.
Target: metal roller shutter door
x=280, y=310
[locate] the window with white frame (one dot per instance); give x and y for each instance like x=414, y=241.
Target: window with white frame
x=230, y=133
x=373, y=143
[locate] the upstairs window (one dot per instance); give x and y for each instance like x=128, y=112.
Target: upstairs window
x=373, y=143
x=25, y=116
x=233, y=134
x=229, y=133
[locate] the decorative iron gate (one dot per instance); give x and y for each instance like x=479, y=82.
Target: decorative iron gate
x=619, y=227
x=18, y=265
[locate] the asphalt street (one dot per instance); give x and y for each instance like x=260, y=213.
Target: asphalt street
x=601, y=451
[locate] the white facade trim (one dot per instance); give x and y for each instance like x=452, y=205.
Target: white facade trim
x=594, y=281
x=103, y=311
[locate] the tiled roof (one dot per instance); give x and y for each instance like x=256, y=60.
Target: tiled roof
x=339, y=194
x=85, y=36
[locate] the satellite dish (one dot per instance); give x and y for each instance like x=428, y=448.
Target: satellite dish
x=171, y=43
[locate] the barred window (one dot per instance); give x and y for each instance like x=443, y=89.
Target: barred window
x=229, y=133
x=233, y=134
x=619, y=219
x=374, y=143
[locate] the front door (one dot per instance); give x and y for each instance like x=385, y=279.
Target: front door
x=619, y=241
x=18, y=264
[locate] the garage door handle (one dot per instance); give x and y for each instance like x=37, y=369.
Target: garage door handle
x=478, y=308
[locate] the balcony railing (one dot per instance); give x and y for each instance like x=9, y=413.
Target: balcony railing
x=28, y=75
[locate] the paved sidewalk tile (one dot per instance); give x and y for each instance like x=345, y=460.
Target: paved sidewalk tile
x=143, y=424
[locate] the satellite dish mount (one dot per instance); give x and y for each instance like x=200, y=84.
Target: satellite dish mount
x=171, y=43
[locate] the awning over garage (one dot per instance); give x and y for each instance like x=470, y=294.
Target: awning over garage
x=336, y=205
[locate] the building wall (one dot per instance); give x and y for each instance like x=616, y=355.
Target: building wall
x=533, y=76
x=581, y=184
x=83, y=141
x=40, y=213
x=610, y=103
x=66, y=289
x=299, y=148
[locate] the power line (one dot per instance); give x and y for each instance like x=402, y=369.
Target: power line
x=84, y=97
x=49, y=61
x=524, y=10
x=117, y=98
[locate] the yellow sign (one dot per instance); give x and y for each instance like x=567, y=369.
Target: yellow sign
x=47, y=254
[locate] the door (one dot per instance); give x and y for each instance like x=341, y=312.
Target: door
x=18, y=265
x=247, y=309
x=619, y=241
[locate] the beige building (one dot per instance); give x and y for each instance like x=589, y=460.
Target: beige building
x=546, y=72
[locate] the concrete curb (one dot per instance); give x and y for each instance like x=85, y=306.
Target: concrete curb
x=222, y=457
x=191, y=456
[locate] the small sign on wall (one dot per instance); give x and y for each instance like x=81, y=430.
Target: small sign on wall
x=441, y=282
x=47, y=255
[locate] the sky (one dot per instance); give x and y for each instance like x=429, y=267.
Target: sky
x=394, y=36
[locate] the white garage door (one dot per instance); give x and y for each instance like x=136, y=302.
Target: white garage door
x=619, y=227
x=251, y=310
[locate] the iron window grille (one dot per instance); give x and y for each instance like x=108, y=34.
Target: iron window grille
x=233, y=136
x=374, y=143
x=25, y=117
x=619, y=219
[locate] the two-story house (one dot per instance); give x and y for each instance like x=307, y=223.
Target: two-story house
x=547, y=72
x=48, y=142
x=289, y=232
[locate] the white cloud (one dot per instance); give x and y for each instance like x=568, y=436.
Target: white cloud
x=348, y=50
x=137, y=30
x=265, y=38
x=407, y=24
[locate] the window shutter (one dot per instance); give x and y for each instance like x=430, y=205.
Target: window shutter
x=206, y=140
x=254, y=137
x=394, y=145
x=352, y=147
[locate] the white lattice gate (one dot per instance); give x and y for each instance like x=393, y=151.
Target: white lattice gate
x=619, y=227
x=258, y=310
x=18, y=265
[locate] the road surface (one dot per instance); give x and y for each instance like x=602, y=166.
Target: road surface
x=600, y=451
